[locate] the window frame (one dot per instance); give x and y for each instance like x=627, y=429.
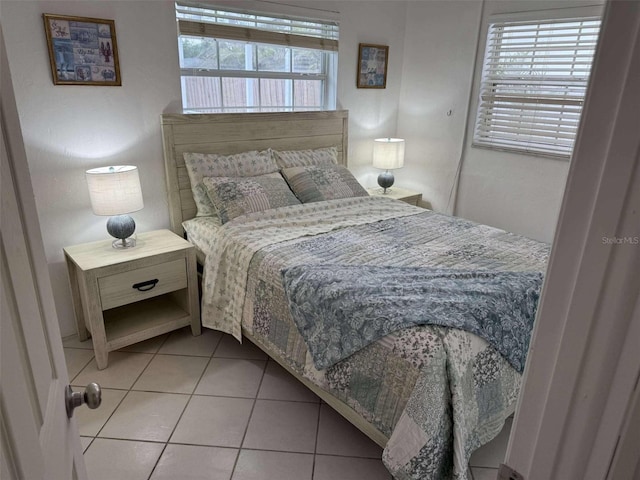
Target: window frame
x=561, y=15
x=189, y=28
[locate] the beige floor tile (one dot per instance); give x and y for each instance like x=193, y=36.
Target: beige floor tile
x=150, y=345
x=91, y=421
x=229, y=347
x=171, y=374
x=76, y=359
x=182, y=342
x=284, y=426
x=278, y=384
x=195, y=463
x=215, y=421
x=72, y=341
x=336, y=436
x=231, y=377
x=145, y=416
x=492, y=454
x=108, y=459
x=261, y=465
x=480, y=473
x=349, y=468
x=121, y=372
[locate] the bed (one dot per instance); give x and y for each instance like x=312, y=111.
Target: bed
x=429, y=394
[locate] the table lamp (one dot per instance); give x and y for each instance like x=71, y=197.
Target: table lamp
x=116, y=191
x=388, y=154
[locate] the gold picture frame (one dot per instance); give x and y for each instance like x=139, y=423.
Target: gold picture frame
x=372, y=65
x=82, y=50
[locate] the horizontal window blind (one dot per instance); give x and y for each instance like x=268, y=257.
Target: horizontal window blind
x=207, y=22
x=534, y=80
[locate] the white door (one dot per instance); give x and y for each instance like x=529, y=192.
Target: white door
x=579, y=409
x=39, y=442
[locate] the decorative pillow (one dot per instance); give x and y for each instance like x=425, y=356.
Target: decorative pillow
x=245, y=164
x=302, y=158
x=323, y=182
x=237, y=196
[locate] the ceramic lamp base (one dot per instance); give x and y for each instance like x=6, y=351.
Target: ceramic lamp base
x=122, y=227
x=385, y=180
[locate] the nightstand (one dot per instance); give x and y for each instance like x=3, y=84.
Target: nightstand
x=124, y=296
x=397, y=193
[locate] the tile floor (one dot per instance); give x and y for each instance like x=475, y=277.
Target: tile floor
x=178, y=406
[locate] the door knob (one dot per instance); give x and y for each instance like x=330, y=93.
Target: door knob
x=92, y=397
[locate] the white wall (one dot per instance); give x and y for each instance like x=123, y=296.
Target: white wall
x=440, y=47
x=374, y=112
x=520, y=193
x=69, y=129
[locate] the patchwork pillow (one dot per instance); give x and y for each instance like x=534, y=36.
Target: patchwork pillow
x=301, y=158
x=323, y=182
x=237, y=196
x=245, y=164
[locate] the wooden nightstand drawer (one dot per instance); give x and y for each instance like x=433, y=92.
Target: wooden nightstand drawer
x=142, y=283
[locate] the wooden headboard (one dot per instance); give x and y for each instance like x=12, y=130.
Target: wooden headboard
x=229, y=133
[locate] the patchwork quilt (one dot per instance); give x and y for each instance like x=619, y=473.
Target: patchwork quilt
x=437, y=393
x=340, y=309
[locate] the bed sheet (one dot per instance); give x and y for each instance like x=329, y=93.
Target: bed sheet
x=200, y=232
x=438, y=393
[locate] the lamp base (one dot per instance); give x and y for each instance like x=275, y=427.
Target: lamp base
x=122, y=227
x=124, y=242
x=385, y=180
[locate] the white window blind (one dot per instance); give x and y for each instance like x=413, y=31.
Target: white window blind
x=534, y=80
x=247, y=61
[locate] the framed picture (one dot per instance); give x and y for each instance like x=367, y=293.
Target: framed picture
x=82, y=51
x=372, y=66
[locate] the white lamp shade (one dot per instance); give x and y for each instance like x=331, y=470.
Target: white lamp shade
x=114, y=190
x=388, y=153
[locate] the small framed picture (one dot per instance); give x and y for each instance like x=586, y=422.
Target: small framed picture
x=82, y=51
x=372, y=66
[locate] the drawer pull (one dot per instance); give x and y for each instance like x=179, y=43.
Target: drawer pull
x=145, y=286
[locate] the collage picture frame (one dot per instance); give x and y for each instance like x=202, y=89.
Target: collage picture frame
x=372, y=65
x=82, y=50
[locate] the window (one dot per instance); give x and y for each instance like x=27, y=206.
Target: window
x=238, y=61
x=534, y=81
